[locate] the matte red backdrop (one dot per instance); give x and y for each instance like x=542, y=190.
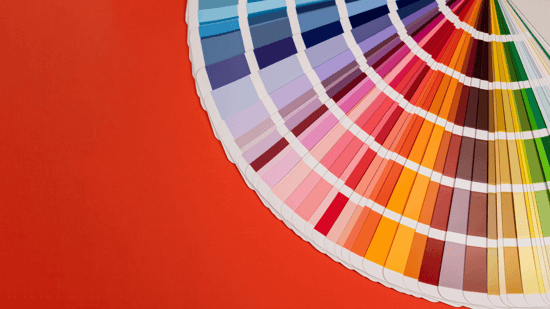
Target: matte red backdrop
x=114, y=192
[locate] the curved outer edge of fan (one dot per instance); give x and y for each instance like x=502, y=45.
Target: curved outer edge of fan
x=223, y=135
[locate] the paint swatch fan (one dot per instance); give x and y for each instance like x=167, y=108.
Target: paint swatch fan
x=405, y=139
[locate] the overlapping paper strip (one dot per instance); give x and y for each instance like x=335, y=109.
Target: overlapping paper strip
x=406, y=139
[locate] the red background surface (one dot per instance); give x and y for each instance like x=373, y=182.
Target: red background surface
x=114, y=192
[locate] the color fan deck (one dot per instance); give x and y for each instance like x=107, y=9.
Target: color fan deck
x=405, y=139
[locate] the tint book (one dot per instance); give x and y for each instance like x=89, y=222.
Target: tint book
x=405, y=139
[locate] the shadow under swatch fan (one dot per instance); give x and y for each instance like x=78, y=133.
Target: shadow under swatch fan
x=405, y=139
